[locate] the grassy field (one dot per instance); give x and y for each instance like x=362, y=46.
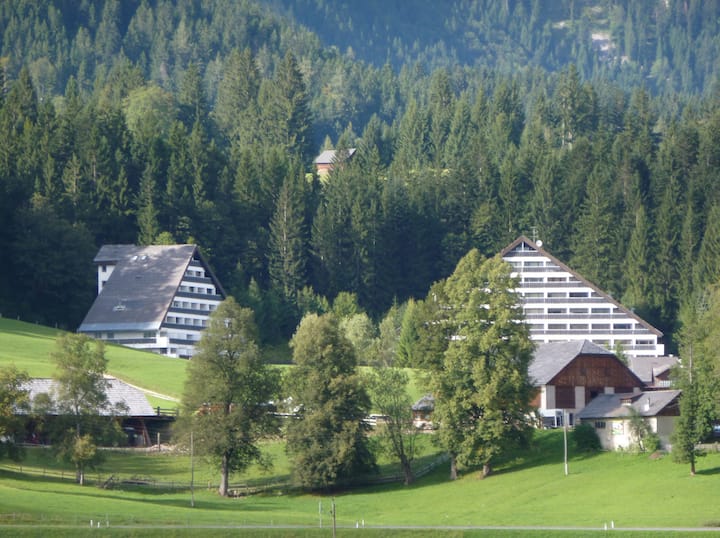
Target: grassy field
x=29, y=347
x=530, y=490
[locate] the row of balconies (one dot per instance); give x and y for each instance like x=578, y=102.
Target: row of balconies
x=614, y=332
x=566, y=300
x=576, y=316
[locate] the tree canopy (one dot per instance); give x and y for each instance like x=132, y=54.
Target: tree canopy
x=228, y=392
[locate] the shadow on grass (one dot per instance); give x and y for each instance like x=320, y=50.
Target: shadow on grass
x=708, y=472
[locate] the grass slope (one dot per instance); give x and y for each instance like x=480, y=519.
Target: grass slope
x=531, y=490
x=29, y=346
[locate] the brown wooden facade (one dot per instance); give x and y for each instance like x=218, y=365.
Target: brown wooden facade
x=596, y=374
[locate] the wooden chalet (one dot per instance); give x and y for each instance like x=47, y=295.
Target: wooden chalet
x=569, y=375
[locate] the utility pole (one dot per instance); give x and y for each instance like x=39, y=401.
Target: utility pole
x=333, y=515
x=565, y=441
x=192, y=471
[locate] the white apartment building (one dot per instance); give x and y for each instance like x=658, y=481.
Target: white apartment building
x=156, y=298
x=560, y=305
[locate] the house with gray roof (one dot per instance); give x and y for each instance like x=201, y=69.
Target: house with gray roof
x=122, y=399
x=126, y=403
x=569, y=375
x=156, y=298
x=654, y=371
x=327, y=159
x=611, y=416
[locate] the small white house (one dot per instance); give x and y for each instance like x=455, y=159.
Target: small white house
x=611, y=414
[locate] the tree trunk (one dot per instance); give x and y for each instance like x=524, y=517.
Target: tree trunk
x=407, y=471
x=486, y=470
x=80, y=475
x=453, y=467
x=224, y=472
x=692, y=465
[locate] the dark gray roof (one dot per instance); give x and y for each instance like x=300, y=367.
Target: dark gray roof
x=140, y=289
x=118, y=392
x=550, y=358
x=426, y=403
x=647, y=404
x=648, y=368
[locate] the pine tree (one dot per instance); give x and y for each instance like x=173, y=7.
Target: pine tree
x=287, y=264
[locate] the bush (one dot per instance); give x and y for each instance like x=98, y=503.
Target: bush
x=585, y=438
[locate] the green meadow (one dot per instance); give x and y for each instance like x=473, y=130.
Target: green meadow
x=29, y=347
x=528, y=489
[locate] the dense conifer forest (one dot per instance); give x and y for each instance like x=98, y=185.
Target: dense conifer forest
x=593, y=124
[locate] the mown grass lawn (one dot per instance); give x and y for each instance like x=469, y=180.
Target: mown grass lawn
x=528, y=490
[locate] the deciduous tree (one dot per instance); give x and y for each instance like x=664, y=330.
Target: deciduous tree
x=227, y=392
x=13, y=399
x=481, y=384
x=80, y=397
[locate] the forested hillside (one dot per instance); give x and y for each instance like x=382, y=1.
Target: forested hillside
x=184, y=120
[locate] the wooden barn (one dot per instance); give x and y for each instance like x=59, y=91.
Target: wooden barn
x=568, y=375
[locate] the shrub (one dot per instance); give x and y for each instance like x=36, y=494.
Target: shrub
x=585, y=438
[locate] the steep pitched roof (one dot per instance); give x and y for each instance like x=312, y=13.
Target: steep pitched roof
x=649, y=368
x=426, y=403
x=132, y=401
x=328, y=156
x=141, y=287
x=550, y=358
x=647, y=404
x=586, y=282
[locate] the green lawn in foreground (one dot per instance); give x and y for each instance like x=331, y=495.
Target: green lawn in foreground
x=631, y=490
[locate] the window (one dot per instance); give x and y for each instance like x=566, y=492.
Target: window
x=577, y=294
x=578, y=327
x=599, y=424
x=557, y=327
x=533, y=295
x=622, y=327
x=149, y=334
x=578, y=310
x=557, y=294
x=104, y=268
x=601, y=326
x=533, y=264
x=557, y=311
x=557, y=279
x=531, y=311
x=110, y=335
x=600, y=311
x=533, y=280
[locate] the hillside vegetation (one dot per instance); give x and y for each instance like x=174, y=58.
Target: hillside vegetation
x=187, y=121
